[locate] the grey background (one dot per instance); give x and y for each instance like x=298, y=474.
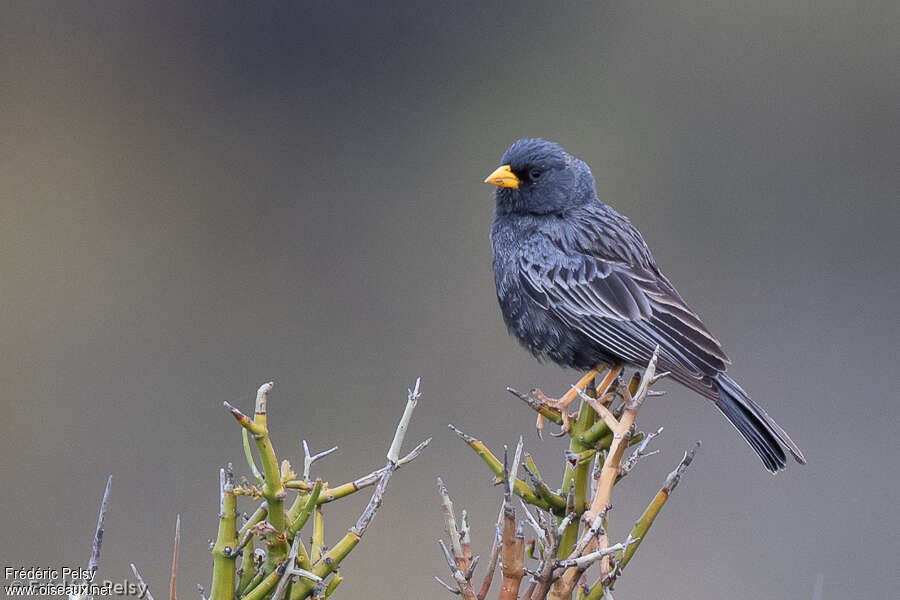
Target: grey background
x=196, y=200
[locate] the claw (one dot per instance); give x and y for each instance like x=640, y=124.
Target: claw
x=559, y=405
x=659, y=376
x=566, y=424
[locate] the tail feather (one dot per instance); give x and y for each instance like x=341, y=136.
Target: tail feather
x=760, y=430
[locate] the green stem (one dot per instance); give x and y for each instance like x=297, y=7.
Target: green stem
x=273, y=490
x=332, y=585
x=579, y=474
x=247, y=570
x=520, y=488
x=595, y=433
x=329, y=564
x=596, y=592
x=266, y=585
x=298, y=520
x=642, y=526
x=223, y=551
x=318, y=535
x=639, y=531
x=248, y=454
x=255, y=518
x=253, y=583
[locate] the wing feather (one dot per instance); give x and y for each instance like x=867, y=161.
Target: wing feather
x=627, y=309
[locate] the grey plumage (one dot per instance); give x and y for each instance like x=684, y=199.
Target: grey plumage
x=578, y=285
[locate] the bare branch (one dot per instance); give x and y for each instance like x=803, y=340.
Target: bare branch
x=538, y=530
x=309, y=460
x=512, y=547
x=345, y=489
x=584, y=561
x=566, y=521
x=144, y=589
x=452, y=590
x=450, y=525
x=281, y=588
x=413, y=396
x=464, y=587
x=517, y=457
x=545, y=575
x=492, y=560
x=222, y=489
x=392, y=463
x=94, y=560
x=465, y=541
x=675, y=476
x=262, y=395
x=173, y=577
x=639, y=452
x=471, y=570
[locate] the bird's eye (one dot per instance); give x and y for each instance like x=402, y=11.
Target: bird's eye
x=534, y=174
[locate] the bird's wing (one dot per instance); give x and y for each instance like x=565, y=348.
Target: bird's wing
x=627, y=309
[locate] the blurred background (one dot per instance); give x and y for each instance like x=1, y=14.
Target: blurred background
x=195, y=200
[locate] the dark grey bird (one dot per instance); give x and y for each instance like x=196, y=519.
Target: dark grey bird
x=578, y=285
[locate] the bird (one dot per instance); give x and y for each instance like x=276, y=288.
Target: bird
x=578, y=285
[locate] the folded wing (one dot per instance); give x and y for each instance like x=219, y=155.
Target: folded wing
x=628, y=310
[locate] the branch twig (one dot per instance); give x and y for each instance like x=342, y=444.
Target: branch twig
x=328, y=564
x=639, y=531
x=512, y=548
x=309, y=460
x=173, y=576
x=143, y=588
x=97, y=540
x=329, y=494
x=520, y=488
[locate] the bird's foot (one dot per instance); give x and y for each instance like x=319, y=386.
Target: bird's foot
x=557, y=404
x=562, y=404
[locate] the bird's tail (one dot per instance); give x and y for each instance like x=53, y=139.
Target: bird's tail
x=760, y=430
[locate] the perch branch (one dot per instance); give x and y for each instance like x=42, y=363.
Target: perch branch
x=608, y=476
x=538, y=406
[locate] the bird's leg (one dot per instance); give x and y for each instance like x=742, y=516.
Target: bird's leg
x=604, y=397
x=562, y=404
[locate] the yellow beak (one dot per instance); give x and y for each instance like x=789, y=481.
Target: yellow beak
x=503, y=177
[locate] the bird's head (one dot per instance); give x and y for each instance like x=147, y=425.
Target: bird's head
x=539, y=177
